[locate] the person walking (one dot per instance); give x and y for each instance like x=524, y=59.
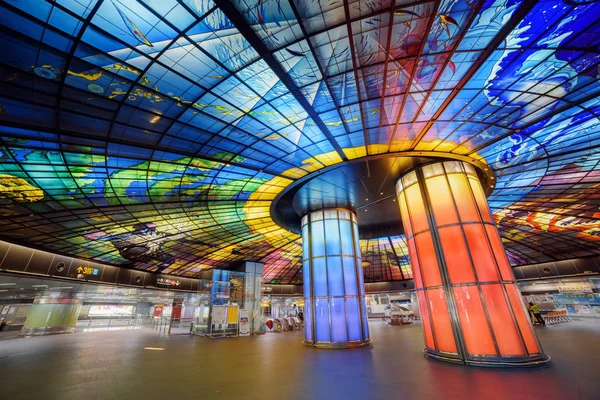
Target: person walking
x=535, y=312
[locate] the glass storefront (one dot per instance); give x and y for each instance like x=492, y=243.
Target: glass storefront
x=226, y=302
x=393, y=303
x=26, y=303
x=576, y=297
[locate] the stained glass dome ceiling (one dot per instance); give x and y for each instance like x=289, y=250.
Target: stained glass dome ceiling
x=155, y=134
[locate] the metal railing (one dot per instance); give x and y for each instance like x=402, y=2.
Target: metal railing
x=123, y=321
x=163, y=325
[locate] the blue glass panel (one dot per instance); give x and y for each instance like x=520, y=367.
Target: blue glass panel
x=322, y=320
x=364, y=312
x=361, y=281
x=338, y=320
x=346, y=237
x=220, y=287
x=334, y=276
x=317, y=239
x=319, y=277
x=306, y=275
x=350, y=276
x=357, y=242
x=305, y=247
x=332, y=236
x=307, y=319
x=354, y=328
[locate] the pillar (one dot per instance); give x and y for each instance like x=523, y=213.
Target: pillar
x=471, y=308
x=334, y=295
x=52, y=315
x=252, y=293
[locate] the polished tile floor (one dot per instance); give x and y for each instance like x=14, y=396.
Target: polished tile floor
x=115, y=365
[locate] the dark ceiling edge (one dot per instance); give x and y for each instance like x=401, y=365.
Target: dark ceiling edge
x=486, y=170
x=248, y=33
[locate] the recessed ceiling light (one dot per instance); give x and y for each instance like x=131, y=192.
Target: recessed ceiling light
x=154, y=348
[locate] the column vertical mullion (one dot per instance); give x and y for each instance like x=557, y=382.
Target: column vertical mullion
x=462, y=230
x=425, y=294
x=501, y=282
x=343, y=274
x=450, y=302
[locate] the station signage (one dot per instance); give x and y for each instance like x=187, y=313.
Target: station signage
x=168, y=282
x=88, y=271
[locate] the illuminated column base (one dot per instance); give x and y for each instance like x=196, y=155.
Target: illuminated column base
x=334, y=295
x=471, y=308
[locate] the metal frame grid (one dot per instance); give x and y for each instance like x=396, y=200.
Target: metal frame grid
x=323, y=240
x=155, y=134
x=448, y=286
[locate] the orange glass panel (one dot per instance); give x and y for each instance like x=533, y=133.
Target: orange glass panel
x=414, y=263
x=425, y=320
x=499, y=253
x=480, y=198
x=462, y=197
x=441, y=201
x=416, y=208
x=484, y=261
x=522, y=319
x=428, y=260
x=441, y=320
x=473, y=322
x=507, y=336
x=405, y=216
x=456, y=255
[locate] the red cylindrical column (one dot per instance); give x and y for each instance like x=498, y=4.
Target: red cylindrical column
x=470, y=305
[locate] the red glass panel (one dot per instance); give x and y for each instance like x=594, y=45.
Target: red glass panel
x=405, y=216
x=522, y=319
x=441, y=201
x=441, y=320
x=499, y=253
x=428, y=260
x=480, y=198
x=507, y=336
x=473, y=321
x=414, y=263
x=416, y=208
x=429, y=343
x=462, y=196
x=456, y=255
x=485, y=264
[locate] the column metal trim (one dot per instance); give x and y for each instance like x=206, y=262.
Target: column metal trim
x=425, y=293
x=487, y=315
x=443, y=269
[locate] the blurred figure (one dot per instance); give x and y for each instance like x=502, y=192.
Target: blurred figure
x=536, y=315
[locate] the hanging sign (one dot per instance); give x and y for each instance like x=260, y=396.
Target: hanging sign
x=575, y=288
x=244, y=323
x=88, y=270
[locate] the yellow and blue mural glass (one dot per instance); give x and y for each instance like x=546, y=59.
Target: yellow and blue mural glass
x=156, y=134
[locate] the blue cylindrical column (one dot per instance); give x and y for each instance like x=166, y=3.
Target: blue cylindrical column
x=334, y=292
